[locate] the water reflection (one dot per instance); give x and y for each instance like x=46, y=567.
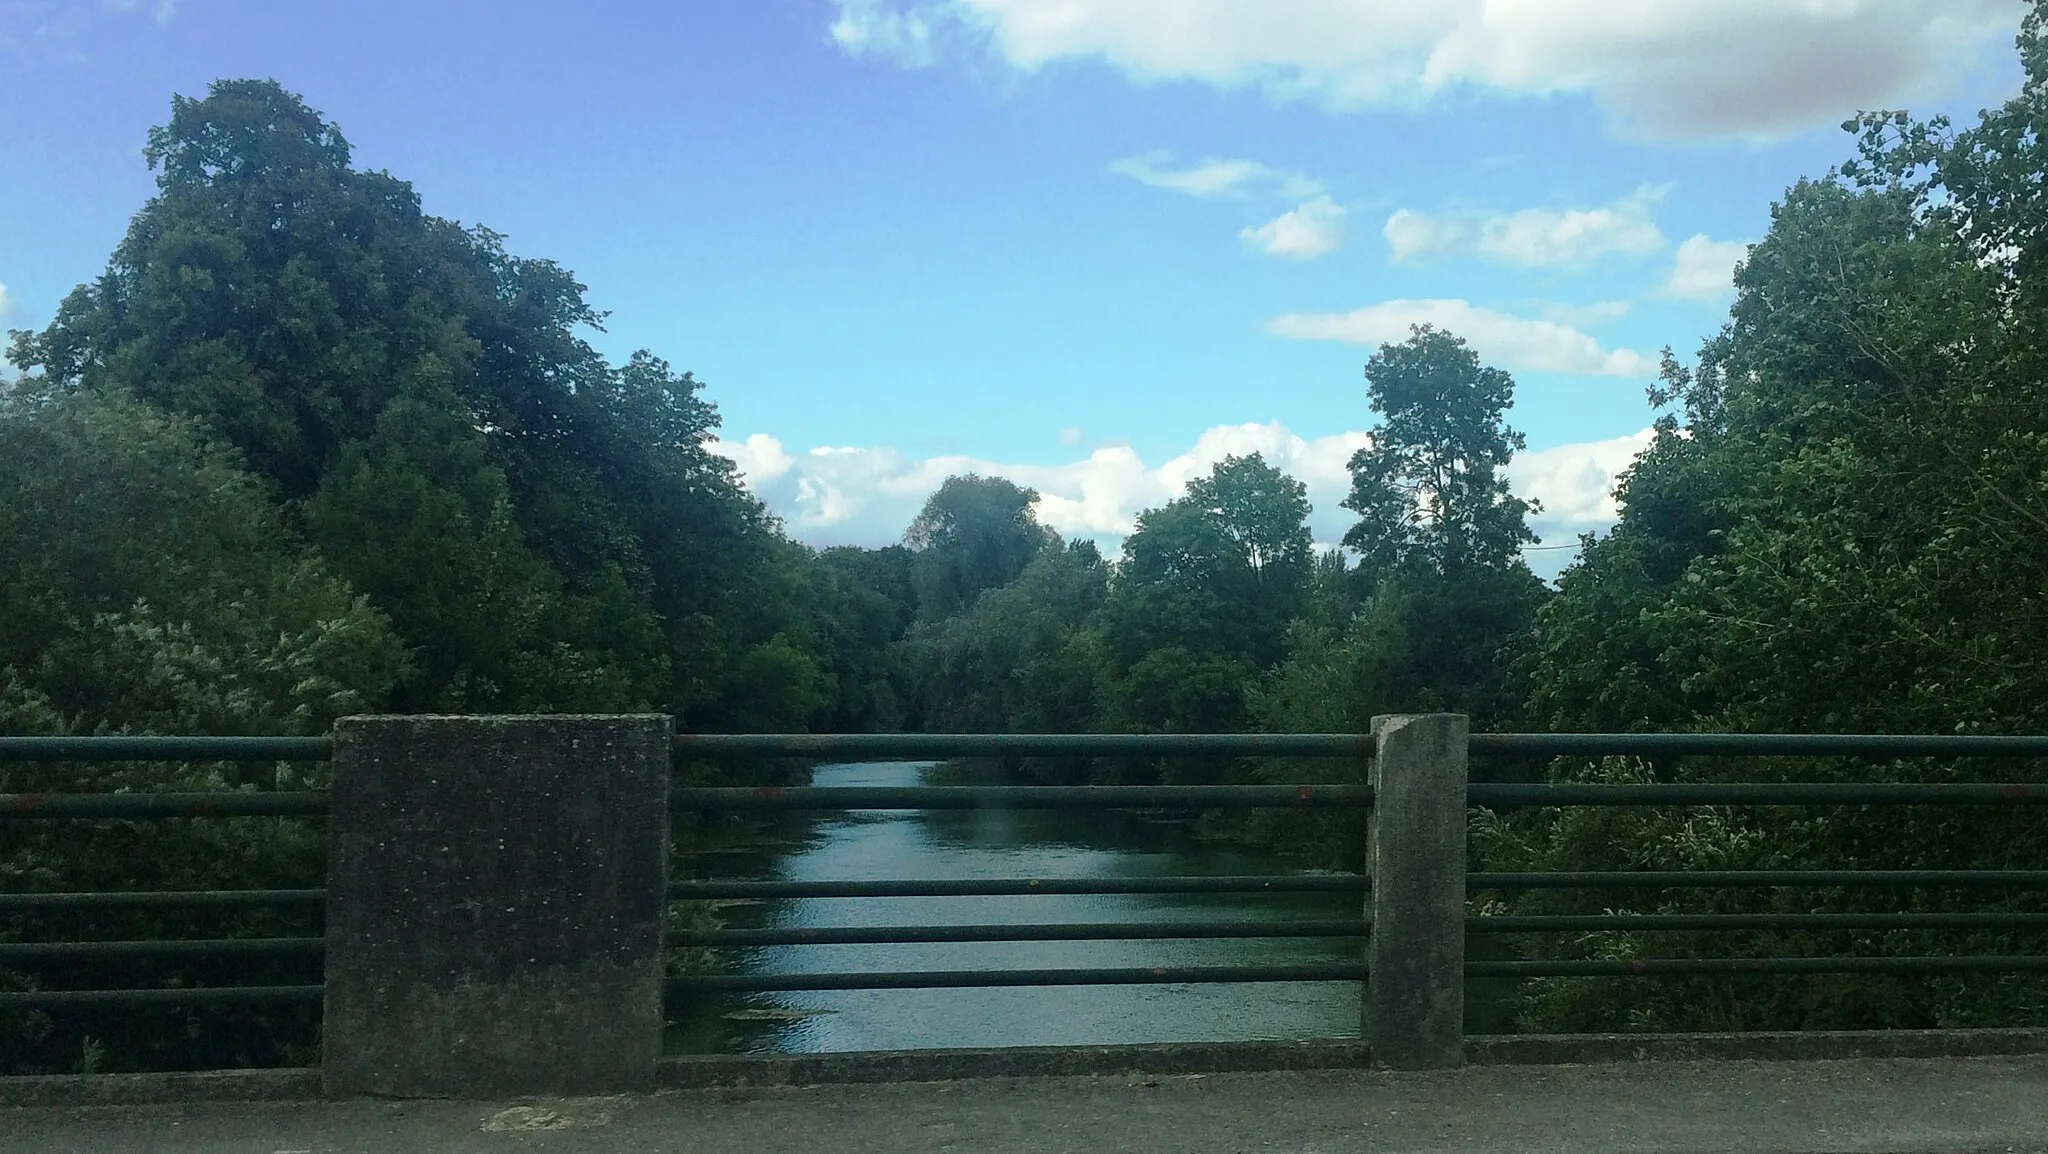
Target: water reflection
x=876, y=844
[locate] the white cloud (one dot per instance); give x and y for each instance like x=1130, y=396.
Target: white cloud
x=8, y=305
x=1575, y=482
x=1675, y=68
x=1302, y=233
x=1533, y=237
x=1514, y=343
x=760, y=457
x=1411, y=234
x=867, y=496
x=1212, y=177
x=904, y=38
x=1071, y=435
x=1704, y=269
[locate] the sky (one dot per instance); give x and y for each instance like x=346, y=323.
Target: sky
x=1090, y=245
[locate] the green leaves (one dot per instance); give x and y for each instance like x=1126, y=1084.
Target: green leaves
x=1848, y=532
x=546, y=531
x=1428, y=491
x=146, y=584
x=974, y=534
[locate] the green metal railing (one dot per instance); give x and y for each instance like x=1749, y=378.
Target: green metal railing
x=226, y=804
x=159, y=806
x=1491, y=794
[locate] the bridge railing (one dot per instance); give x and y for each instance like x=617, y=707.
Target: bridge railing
x=494, y=909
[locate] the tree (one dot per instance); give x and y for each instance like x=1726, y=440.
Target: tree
x=1019, y=660
x=974, y=534
x=1429, y=490
x=426, y=409
x=1848, y=532
x=1440, y=538
x=1202, y=598
x=863, y=603
x=147, y=585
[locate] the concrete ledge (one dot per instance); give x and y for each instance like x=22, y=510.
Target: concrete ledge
x=680, y=1073
x=294, y=1084
x=1772, y=1046
x=1007, y=1062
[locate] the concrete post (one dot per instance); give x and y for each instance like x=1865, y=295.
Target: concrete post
x=1415, y=955
x=495, y=896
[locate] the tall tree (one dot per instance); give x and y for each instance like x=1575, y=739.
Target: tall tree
x=1439, y=535
x=974, y=534
x=1430, y=489
x=548, y=532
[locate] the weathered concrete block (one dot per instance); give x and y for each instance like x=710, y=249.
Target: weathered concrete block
x=496, y=889
x=1415, y=956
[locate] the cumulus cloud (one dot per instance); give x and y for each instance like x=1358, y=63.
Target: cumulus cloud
x=1575, y=482
x=1514, y=343
x=868, y=496
x=1302, y=233
x=1212, y=177
x=1533, y=237
x=1673, y=69
x=1704, y=269
x=760, y=457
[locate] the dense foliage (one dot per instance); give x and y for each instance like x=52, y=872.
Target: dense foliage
x=305, y=450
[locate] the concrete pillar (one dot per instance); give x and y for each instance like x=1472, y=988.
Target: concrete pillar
x=1415, y=955
x=495, y=895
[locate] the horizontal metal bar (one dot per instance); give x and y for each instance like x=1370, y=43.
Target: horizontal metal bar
x=1759, y=744
x=1759, y=793
x=222, y=803
x=1741, y=879
x=1348, y=745
x=963, y=979
x=1008, y=887
x=194, y=996
x=1060, y=932
x=941, y=745
x=151, y=748
x=852, y=797
x=1574, y=923
x=1634, y=967
x=160, y=899
x=163, y=948
x=884, y=745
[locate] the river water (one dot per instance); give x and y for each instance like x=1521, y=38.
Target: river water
x=892, y=844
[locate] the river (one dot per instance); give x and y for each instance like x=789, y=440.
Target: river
x=892, y=844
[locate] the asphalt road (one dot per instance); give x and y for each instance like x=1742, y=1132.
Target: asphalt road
x=1944, y=1105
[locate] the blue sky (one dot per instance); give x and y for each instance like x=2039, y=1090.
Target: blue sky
x=1093, y=245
